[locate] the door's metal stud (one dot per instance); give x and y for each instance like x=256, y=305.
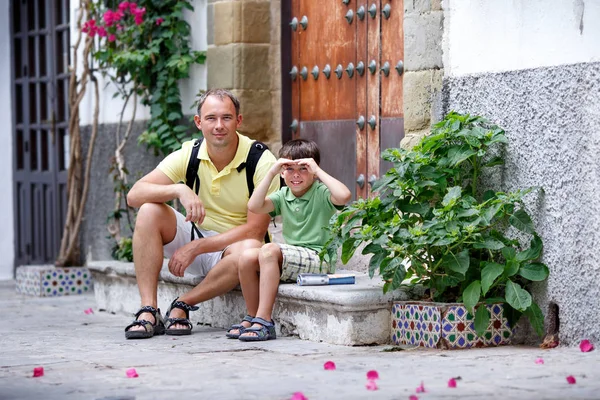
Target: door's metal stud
x=346, y=2
x=304, y=22
x=372, y=180
x=350, y=70
x=304, y=73
x=294, y=73
x=339, y=71
x=294, y=23
x=327, y=71
x=400, y=67
x=294, y=125
x=372, y=66
x=315, y=72
x=349, y=16
x=372, y=121
x=386, y=11
x=361, y=181
x=360, y=68
x=360, y=122
x=386, y=68
x=360, y=13
x=373, y=10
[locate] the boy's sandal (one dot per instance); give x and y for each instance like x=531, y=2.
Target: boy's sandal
x=182, y=321
x=150, y=329
x=240, y=328
x=265, y=332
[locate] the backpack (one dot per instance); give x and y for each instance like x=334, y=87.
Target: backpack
x=193, y=181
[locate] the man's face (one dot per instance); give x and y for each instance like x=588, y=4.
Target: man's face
x=218, y=121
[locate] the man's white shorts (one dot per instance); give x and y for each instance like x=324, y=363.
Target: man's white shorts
x=204, y=262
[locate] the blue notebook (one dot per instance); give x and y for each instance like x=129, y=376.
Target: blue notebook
x=325, y=279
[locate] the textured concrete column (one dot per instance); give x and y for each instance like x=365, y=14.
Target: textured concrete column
x=239, y=58
x=423, y=33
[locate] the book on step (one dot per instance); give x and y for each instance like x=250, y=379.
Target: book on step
x=325, y=279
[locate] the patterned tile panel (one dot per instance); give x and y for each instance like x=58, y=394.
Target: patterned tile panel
x=458, y=328
x=53, y=281
x=416, y=324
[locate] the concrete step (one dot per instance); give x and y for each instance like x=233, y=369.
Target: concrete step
x=358, y=314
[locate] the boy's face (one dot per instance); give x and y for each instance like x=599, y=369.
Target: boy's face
x=297, y=178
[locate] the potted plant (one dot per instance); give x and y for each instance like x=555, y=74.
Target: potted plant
x=432, y=224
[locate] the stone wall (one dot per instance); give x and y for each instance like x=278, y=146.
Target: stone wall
x=243, y=56
x=423, y=66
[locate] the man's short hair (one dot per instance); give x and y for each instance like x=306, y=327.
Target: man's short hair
x=300, y=148
x=221, y=94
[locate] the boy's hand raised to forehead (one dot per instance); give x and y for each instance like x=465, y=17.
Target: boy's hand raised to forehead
x=310, y=164
x=280, y=164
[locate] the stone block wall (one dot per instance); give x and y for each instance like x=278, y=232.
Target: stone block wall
x=423, y=65
x=243, y=56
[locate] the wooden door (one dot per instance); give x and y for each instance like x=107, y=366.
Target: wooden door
x=40, y=81
x=343, y=94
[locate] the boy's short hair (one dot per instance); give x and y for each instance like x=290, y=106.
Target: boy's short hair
x=300, y=148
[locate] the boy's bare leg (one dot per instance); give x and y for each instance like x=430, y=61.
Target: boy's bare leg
x=270, y=260
x=249, y=281
x=155, y=225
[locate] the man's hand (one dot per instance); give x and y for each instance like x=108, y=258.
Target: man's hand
x=194, y=208
x=182, y=258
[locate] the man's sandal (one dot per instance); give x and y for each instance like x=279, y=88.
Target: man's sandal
x=181, y=321
x=265, y=332
x=150, y=329
x=240, y=328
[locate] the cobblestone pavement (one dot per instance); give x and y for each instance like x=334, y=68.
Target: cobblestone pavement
x=86, y=356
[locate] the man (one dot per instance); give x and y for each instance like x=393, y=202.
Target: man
x=219, y=210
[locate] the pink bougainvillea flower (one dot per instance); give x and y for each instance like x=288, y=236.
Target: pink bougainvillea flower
x=421, y=388
x=132, y=6
x=101, y=33
x=371, y=385
x=89, y=310
x=131, y=373
x=38, y=371
x=159, y=21
x=138, y=19
x=571, y=380
x=329, y=366
x=298, y=396
x=108, y=17
x=112, y=38
x=372, y=375
x=413, y=397
x=90, y=27
x=452, y=383
x=586, y=346
x=124, y=6
x=539, y=361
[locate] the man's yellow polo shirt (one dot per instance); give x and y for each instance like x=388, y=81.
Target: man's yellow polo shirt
x=225, y=193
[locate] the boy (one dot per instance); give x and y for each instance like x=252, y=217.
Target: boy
x=306, y=206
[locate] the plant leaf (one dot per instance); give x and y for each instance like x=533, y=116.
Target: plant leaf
x=375, y=261
x=517, y=297
x=534, y=271
x=536, y=318
x=348, y=248
x=471, y=295
x=533, y=252
x=511, y=267
x=489, y=243
x=453, y=194
x=489, y=273
x=457, y=263
x=522, y=221
x=482, y=319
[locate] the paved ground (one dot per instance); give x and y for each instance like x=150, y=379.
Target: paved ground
x=85, y=356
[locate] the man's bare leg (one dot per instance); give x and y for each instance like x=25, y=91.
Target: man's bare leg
x=222, y=278
x=155, y=226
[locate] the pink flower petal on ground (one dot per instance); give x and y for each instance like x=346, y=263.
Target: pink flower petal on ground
x=89, y=311
x=298, y=396
x=372, y=375
x=413, y=397
x=371, y=385
x=38, y=371
x=131, y=373
x=539, y=361
x=329, y=366
x=571, y=380
x=421, y=388
x=452, y=383
x=586, y=346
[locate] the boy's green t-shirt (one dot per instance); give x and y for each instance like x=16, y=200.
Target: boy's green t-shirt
x=304, y=217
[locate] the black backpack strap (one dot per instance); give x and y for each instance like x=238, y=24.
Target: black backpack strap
x=256, y=151
x=192, y=180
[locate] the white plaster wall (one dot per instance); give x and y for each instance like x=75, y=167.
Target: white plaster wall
x=7, y=238
x=110, y=108
x=495, y=36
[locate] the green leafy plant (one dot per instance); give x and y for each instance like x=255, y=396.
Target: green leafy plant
x=431, y=224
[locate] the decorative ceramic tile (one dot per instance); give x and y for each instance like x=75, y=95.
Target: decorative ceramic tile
x=416, y=324
x=47, y=280
x=458, y=328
